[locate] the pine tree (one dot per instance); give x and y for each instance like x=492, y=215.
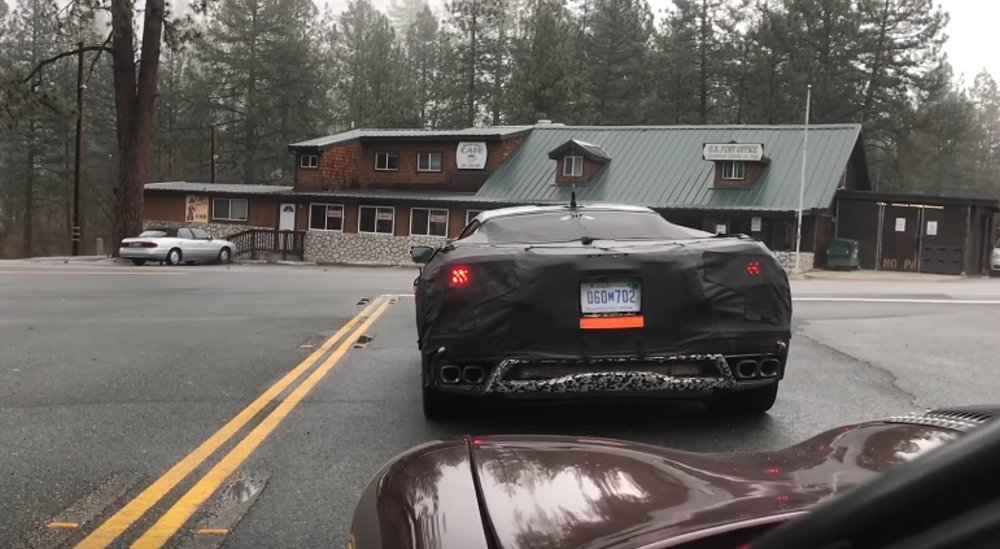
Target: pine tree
x=423, y=55
x=372, y=82
x=546, y=65
x=616, y=50
x=404, y=13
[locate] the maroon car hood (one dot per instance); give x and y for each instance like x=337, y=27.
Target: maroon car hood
x=564, y=492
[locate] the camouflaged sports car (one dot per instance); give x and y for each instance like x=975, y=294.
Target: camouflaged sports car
x=598, y=301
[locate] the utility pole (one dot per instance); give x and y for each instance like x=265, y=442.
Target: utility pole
x=802, y=179
x=214, y=156
x=78, y=163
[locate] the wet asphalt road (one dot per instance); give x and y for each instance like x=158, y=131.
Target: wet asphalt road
x=111, y=375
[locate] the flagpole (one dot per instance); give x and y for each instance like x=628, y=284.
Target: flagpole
x=802, y=178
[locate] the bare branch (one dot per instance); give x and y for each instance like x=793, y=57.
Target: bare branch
x=93, y=63
x=43, y=63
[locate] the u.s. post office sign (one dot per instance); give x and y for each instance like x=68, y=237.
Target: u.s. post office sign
x=749, y=152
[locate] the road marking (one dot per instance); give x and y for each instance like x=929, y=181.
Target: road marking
x=900, y=300
x=61, y=527
x=108, y=272
x=175, y=517
x=211, y=532
x=107, y=532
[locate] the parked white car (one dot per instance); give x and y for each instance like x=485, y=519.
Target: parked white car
x=995, y=264
x=175, y=246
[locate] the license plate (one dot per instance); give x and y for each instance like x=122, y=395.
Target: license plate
x=610, y=297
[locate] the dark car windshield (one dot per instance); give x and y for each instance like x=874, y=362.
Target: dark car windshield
x=537, y=228
x=159, y=233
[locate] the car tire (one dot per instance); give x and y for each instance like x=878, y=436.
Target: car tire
x=749, y=402
x=174, y=257
x=139, y=262
x=437, y=405
x=225, y=255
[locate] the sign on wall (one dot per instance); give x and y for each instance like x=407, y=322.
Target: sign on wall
x=755, y=224
x=749, y=152
x=720, y=228
x=900, y=224
x=471, y=155
x=932, y=228
x=196, y=208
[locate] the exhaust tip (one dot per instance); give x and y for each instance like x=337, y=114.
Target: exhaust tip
x=450, y=374
x=747, y=369
x=769, y=367
x=473, y=374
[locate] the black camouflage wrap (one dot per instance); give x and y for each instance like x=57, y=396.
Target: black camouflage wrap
x=523, y=301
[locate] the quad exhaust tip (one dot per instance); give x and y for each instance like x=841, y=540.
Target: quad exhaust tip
x=450, y=374
x=473, y=374
x=769, y=367
x=747, y=369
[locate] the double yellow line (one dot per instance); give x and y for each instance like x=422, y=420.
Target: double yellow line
x=175, y=517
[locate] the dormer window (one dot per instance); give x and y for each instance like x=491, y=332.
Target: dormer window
x=572, y=166
x=734, y=170
x=309, y=161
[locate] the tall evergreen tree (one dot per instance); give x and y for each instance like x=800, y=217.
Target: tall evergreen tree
x=404, y=13
x=546, y=65
x=616, y=46
x=373, y=84
x=423, y=55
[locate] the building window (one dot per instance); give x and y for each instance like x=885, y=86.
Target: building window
x=470, y=215
x=309, y=161
x=326, y=217
x=377, y=219
x=229, y=209
x=429, y=162
x=386, y=161
x=572, y=166
x=734, y=170
x=428, y=222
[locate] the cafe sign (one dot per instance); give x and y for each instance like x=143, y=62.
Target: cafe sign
x=471, y=155
x=747, y=152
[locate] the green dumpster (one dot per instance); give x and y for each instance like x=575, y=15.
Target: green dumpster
x=842, y=253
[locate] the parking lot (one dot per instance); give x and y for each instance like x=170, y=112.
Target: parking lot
x=229, y=406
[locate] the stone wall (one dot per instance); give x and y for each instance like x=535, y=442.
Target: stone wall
x=787, y=261
x=363, y=249
x=217, y=230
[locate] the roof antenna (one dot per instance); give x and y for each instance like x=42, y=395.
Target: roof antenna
x=572, y=197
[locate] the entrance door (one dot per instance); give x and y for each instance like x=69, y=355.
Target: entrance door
x=900, y=238
x=286, y=221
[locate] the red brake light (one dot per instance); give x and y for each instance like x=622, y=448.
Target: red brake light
x=753, y=268
x=459, y=276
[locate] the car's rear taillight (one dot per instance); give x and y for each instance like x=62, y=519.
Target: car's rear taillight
x=753, y=268
x=459, y=276
x=143, y=244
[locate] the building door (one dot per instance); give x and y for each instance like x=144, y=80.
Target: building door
x=286, y=221
x=900, y=242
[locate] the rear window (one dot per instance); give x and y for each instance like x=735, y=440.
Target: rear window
x=157, y=233
x=545, y=227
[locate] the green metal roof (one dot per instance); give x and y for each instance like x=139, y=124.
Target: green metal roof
x=485, y=132
x=662, y=167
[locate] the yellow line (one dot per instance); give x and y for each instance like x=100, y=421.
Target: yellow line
x=107, y=532
x=173, y=520
x=108, y=272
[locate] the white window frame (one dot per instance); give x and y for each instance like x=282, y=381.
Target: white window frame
x=430, y=165
x=230, y=218
x=326, y=212
x=386, y=155
x=471, y=214
x=730, y=171
x=427, y=229
x=391, y=232
x=309, y=161
x=575, y=165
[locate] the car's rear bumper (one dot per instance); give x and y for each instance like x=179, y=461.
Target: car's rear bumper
x=153, y=254
x=623, y=377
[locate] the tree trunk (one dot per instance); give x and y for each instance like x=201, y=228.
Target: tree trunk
x=134, y=100
x=703, y=65
x=470, y=105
